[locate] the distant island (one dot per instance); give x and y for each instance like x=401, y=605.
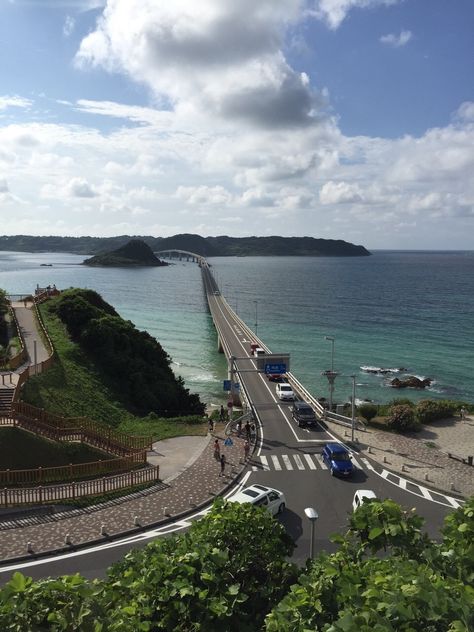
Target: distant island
x=134, y=253
x=206, y=246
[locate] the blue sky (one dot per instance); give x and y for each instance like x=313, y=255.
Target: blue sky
x=342, y=119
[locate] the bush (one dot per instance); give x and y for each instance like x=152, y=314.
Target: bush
x=428, y=410
x=402, y=419
x=367, y=411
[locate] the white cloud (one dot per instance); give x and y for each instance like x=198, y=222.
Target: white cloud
x=397, y=41
x=14, y=102
x=4, y=186
x=79, y=187
x=339, y=193
x=334, y=12
x=68, y=26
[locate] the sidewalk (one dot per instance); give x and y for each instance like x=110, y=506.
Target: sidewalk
x=187, y=487
x=422, y=456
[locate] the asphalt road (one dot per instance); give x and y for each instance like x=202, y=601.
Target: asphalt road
x=291, y=463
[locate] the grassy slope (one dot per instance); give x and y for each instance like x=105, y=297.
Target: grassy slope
x=23, y=450
x=73, y=387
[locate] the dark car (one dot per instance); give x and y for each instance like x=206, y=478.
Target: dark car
x=338, y=459
x=303, y=414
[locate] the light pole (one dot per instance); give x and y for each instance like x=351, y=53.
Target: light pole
x=331, y=374
x=256, y=318
x=353, y=407
x=312, y=515
x=333, y=340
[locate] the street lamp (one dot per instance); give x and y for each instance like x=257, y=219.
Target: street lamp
x=331, y=374
x=312, y=515
x=332, y=339
x=353, y=407
x=256, y=317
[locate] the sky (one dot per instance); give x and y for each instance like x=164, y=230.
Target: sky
x=336, y=119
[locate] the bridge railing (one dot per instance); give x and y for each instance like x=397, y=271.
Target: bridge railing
x=322, y=412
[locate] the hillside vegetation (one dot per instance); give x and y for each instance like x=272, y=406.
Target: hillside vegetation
x=134, y=253
x=222, y=246
x=109, y=371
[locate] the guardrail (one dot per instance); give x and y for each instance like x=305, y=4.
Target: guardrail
x=75, y=429
x=72, y=491
x=70, y=472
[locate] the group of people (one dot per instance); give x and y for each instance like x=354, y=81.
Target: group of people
x=220, y=456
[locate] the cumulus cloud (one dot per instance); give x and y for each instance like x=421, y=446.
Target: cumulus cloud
x=212, y=58
x=397, y=40
x=79, y=187
x=339, y=192
x=334, y=12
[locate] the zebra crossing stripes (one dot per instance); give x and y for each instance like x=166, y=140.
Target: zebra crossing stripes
x=287, y=462
x=298, y=461
x=264, y=461
x=310, y=461
x=276, y=462
x=319, y=458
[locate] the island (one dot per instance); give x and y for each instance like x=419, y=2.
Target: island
x=134, y=253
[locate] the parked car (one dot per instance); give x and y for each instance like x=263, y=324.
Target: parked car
x=284, y=391
x=261, y=496
x=360, y=496
x=303, y=414
x=338, y=459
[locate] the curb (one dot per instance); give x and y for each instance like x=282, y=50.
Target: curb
x=116, y=536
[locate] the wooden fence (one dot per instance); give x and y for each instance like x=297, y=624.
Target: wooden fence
x=72, y=491
x=75, y=429
x=71, y=472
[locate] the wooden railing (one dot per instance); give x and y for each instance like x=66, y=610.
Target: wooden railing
x=75, y=429
x=71, y=472
x=72, y=491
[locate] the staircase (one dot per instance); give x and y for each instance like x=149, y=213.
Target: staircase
x=6, y=399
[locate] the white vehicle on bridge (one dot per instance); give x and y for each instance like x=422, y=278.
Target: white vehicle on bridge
x=284, y=391
x=261, y=496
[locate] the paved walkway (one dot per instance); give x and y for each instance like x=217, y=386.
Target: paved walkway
x=185, y=489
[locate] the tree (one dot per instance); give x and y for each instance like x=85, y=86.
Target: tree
x=367, y=411
x=402, y=419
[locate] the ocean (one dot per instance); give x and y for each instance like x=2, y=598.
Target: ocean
x=406, y=312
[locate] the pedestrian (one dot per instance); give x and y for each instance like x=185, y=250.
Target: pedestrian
x=210, y=423
x=253, y=431
x=246, y=449
x=222, y=414
x=239, y=427
x=223, y=461
x=217, y=449
x=247, y=430
x=463, y=413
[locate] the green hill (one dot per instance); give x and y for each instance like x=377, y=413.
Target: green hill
x=134, y=253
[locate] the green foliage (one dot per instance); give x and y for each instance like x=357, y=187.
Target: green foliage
x=402, y=419
x=381, y=525
x=367, y=411
x=428, y=410
x=130, y=364
x=229, y=573
x=458, y=543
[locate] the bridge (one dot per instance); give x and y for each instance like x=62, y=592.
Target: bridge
x=182, y=255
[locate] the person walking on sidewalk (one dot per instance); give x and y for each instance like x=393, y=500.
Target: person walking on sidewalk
x=247, y=431
x=246, y=449
x=223, y=462
x=217, y=450
x=222, y=413
x=210, y=423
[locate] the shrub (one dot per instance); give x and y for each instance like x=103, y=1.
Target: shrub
x=367, y=411
x=428, y=410
x=402, y=419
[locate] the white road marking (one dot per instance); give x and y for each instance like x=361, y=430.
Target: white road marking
x=264, y=461
x=311, y=464
x=368, y=464
x=425, y=492
x=276, y=462
x=402, y=483
x=453, y=502
x=298, y=461
x=356, y=463
x=286, y=461
x=319, y=459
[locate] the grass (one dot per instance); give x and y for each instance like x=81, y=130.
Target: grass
x=22, y=450
x=74, y=387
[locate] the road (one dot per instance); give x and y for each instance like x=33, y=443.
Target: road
x=287, y=458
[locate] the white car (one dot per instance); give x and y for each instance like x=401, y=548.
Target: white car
x=360, y=496
x=284, y=391
x=261, y=496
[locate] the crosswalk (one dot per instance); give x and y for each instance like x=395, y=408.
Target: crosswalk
x=294, y=462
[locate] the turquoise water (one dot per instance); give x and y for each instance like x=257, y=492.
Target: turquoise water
x=411, y=310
